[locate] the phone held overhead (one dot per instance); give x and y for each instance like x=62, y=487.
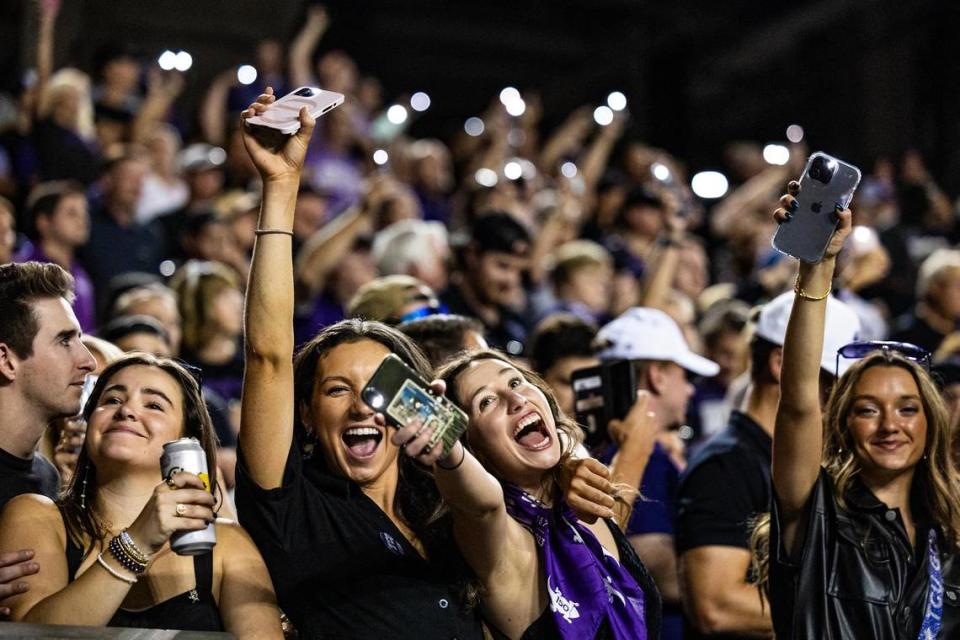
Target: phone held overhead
x=826, y=183
x=284, y=114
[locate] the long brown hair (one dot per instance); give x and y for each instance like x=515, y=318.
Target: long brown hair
x=76, y=502
x=936, y=480
x=571, y=434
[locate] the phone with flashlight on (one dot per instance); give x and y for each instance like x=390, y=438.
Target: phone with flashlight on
x=396, y=391
x=825, y=183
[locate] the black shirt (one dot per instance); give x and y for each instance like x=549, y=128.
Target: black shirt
x=725, y=486
x=857, y=575
x=508, y=335
x=723, y=490
x=18, y=475
x=917, y=331
x=114, y=250
x=340, y=566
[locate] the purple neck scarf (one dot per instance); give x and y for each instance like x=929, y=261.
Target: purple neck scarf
x=586, y=584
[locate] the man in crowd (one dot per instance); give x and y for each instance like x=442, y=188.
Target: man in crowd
x=61, y=226
x=727, y=484
x=938, y=302
x=661, y=359
x=490, y=285
x=559, y=345
x=118, y=243
x=43, y=366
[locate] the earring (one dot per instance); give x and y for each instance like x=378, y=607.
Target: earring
x=83, y=491
x=309, y=443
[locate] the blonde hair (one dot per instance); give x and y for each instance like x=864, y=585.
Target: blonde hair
x=382, y=298
x=932, y=269
x=80, y=82
x=197, y=284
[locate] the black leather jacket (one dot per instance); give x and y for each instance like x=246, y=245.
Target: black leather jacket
x=857, y=576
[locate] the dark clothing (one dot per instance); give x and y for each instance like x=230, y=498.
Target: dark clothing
x=508, y=335
x=341, y=567
x=707, y=411
x=725, y=486
x=654, y=513
x=225, y=379
x=63, y=155
x=18, y=475
x=544, y=627
x=310, y=318
x=917, y=331
x=114, y=250
x=856, y=575
x=194, y=610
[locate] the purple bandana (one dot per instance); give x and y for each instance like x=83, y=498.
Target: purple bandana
x=585, y=583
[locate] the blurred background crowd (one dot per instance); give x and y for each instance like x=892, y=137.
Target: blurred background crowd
x=538, y=211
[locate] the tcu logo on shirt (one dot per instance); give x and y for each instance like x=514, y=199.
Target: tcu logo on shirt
x=391, y=543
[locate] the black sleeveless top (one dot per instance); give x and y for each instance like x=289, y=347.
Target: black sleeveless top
x=194, y=610
x=545, y=628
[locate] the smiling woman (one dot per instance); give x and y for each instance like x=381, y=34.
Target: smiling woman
x=543, y=573
x=865, y=526
x=354, y=537
x=103, y=547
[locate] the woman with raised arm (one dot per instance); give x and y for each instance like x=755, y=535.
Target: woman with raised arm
x=355, y=540
x=103, y=548
x=543, y=573
x=866, y=515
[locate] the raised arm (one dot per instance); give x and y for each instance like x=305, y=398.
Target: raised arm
x=324, y=250
x=213, y=111
x=162, y=92
x=798, y=432
x=267, y=411
x=47, y=21
x=301, y=50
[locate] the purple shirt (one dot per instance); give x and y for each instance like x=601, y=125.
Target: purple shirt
x=84, y=304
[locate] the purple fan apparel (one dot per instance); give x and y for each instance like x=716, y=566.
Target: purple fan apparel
x=585, y=583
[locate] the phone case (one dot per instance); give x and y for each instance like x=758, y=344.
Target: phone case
x=396, y=391
x=826, y=182
x=284, y=114
x=601, y=394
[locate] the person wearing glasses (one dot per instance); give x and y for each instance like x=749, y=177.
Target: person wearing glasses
x=866, y=513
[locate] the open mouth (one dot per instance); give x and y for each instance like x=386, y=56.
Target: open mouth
x=531, y=433
x=362, y=442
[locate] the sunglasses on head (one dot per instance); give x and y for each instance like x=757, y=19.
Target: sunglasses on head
x=857, y=350
x=195, y=372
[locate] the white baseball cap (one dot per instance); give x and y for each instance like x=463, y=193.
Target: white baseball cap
x=642, y=333
x=841, y=328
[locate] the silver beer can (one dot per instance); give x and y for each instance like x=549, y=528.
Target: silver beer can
x=186, y=454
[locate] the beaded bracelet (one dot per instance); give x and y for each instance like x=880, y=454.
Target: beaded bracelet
x=116, y=574
x=121, y=555
x=126, y=541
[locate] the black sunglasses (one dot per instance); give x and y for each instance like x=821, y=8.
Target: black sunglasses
x=195, y=372
x=857, y=350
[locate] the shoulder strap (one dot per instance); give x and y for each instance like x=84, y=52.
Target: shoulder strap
x=203, y=572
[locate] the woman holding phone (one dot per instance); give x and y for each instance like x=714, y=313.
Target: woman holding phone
x=103, y=548
x=354, y=538
x=866, y=516
x=543, y=573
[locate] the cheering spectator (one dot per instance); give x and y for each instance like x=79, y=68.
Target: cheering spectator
x=559, y=345
x=329, y=501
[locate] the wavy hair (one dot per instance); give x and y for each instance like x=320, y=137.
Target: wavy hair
x=570, y=434
x=936, y=480
x=80, y=517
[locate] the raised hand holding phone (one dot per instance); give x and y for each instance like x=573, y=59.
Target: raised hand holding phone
x=275, y=155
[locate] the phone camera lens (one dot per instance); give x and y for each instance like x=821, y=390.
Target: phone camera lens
x=821, y=171
x=306, y=91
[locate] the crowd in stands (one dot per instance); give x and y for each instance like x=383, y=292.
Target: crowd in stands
x=242, y=289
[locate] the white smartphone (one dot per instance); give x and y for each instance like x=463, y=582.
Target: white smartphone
x=284, y=114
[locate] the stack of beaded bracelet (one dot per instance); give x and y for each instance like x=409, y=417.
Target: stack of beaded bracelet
x=127, y=554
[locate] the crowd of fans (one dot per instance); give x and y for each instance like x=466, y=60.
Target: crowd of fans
x=498, y=262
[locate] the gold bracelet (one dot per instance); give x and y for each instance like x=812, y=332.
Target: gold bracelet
x=265, y=232
x=797, y=289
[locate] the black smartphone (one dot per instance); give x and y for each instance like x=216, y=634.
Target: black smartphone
x=825, y=183
x=396, y=391
x=601, y=394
